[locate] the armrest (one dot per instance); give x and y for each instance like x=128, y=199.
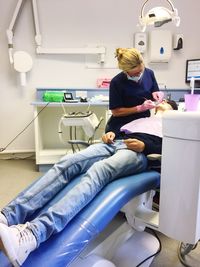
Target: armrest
x=154, y=157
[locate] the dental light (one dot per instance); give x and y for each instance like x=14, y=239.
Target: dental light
x=158, y=16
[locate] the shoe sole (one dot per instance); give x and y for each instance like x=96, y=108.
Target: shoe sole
x=6, y=247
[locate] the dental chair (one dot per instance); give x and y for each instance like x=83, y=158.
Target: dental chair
x=178, y=216
x=62, y=249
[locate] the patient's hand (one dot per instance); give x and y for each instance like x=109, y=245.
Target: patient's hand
x=134, y=144
x=108, y=138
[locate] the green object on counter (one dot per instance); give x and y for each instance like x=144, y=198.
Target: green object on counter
x=53, y=96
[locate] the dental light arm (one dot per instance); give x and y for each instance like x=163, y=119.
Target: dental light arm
x=82, y=50
x=11, y=28
x=38, y=37
x=158, y=16
x=21, y=60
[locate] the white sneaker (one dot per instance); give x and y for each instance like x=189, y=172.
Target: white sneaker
x=17, y=242
x=3, y=219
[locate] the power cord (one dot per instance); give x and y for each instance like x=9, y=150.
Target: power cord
x=4, y=148
x=156, y=253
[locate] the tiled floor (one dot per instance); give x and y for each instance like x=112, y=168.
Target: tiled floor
x=17, y=174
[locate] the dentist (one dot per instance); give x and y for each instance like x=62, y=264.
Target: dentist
x=132, y=91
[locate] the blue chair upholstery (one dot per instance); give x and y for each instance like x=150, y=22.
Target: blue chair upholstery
x=61, y=249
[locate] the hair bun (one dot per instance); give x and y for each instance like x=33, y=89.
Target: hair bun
x=119, y=52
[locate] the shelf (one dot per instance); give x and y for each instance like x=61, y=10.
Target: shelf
x=77, y=104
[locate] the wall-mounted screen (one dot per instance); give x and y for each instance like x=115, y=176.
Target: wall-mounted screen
x=192, y=70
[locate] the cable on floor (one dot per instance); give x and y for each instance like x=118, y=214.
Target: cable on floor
x=156, y=253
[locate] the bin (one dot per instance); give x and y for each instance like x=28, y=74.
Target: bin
x=179, y=215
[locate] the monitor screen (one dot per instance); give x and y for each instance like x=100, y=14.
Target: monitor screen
x=192, y=70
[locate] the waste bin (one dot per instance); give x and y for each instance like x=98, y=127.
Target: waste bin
x=179, y=215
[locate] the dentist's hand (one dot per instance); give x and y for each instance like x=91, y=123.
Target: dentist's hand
x=158, y=96
x=148, y=104
x=108, y=138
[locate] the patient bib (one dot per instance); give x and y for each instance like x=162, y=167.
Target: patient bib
x=149, y=125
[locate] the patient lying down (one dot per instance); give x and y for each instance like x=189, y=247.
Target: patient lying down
x=99, y=164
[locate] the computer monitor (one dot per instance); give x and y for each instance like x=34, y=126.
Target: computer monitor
x=192, y=70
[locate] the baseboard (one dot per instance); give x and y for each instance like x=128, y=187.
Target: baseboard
x=17, y=154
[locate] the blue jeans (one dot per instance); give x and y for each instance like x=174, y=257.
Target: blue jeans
x=100, y=163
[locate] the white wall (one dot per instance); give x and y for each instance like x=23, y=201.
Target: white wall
x=73, y=23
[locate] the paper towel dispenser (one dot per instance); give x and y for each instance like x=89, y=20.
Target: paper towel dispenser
x=160, y=46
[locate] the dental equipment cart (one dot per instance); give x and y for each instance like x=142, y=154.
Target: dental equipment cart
x=48, y=147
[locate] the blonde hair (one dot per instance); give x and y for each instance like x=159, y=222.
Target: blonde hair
x=128, y=58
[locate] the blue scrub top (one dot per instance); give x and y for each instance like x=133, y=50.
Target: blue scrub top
x=127, y=93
